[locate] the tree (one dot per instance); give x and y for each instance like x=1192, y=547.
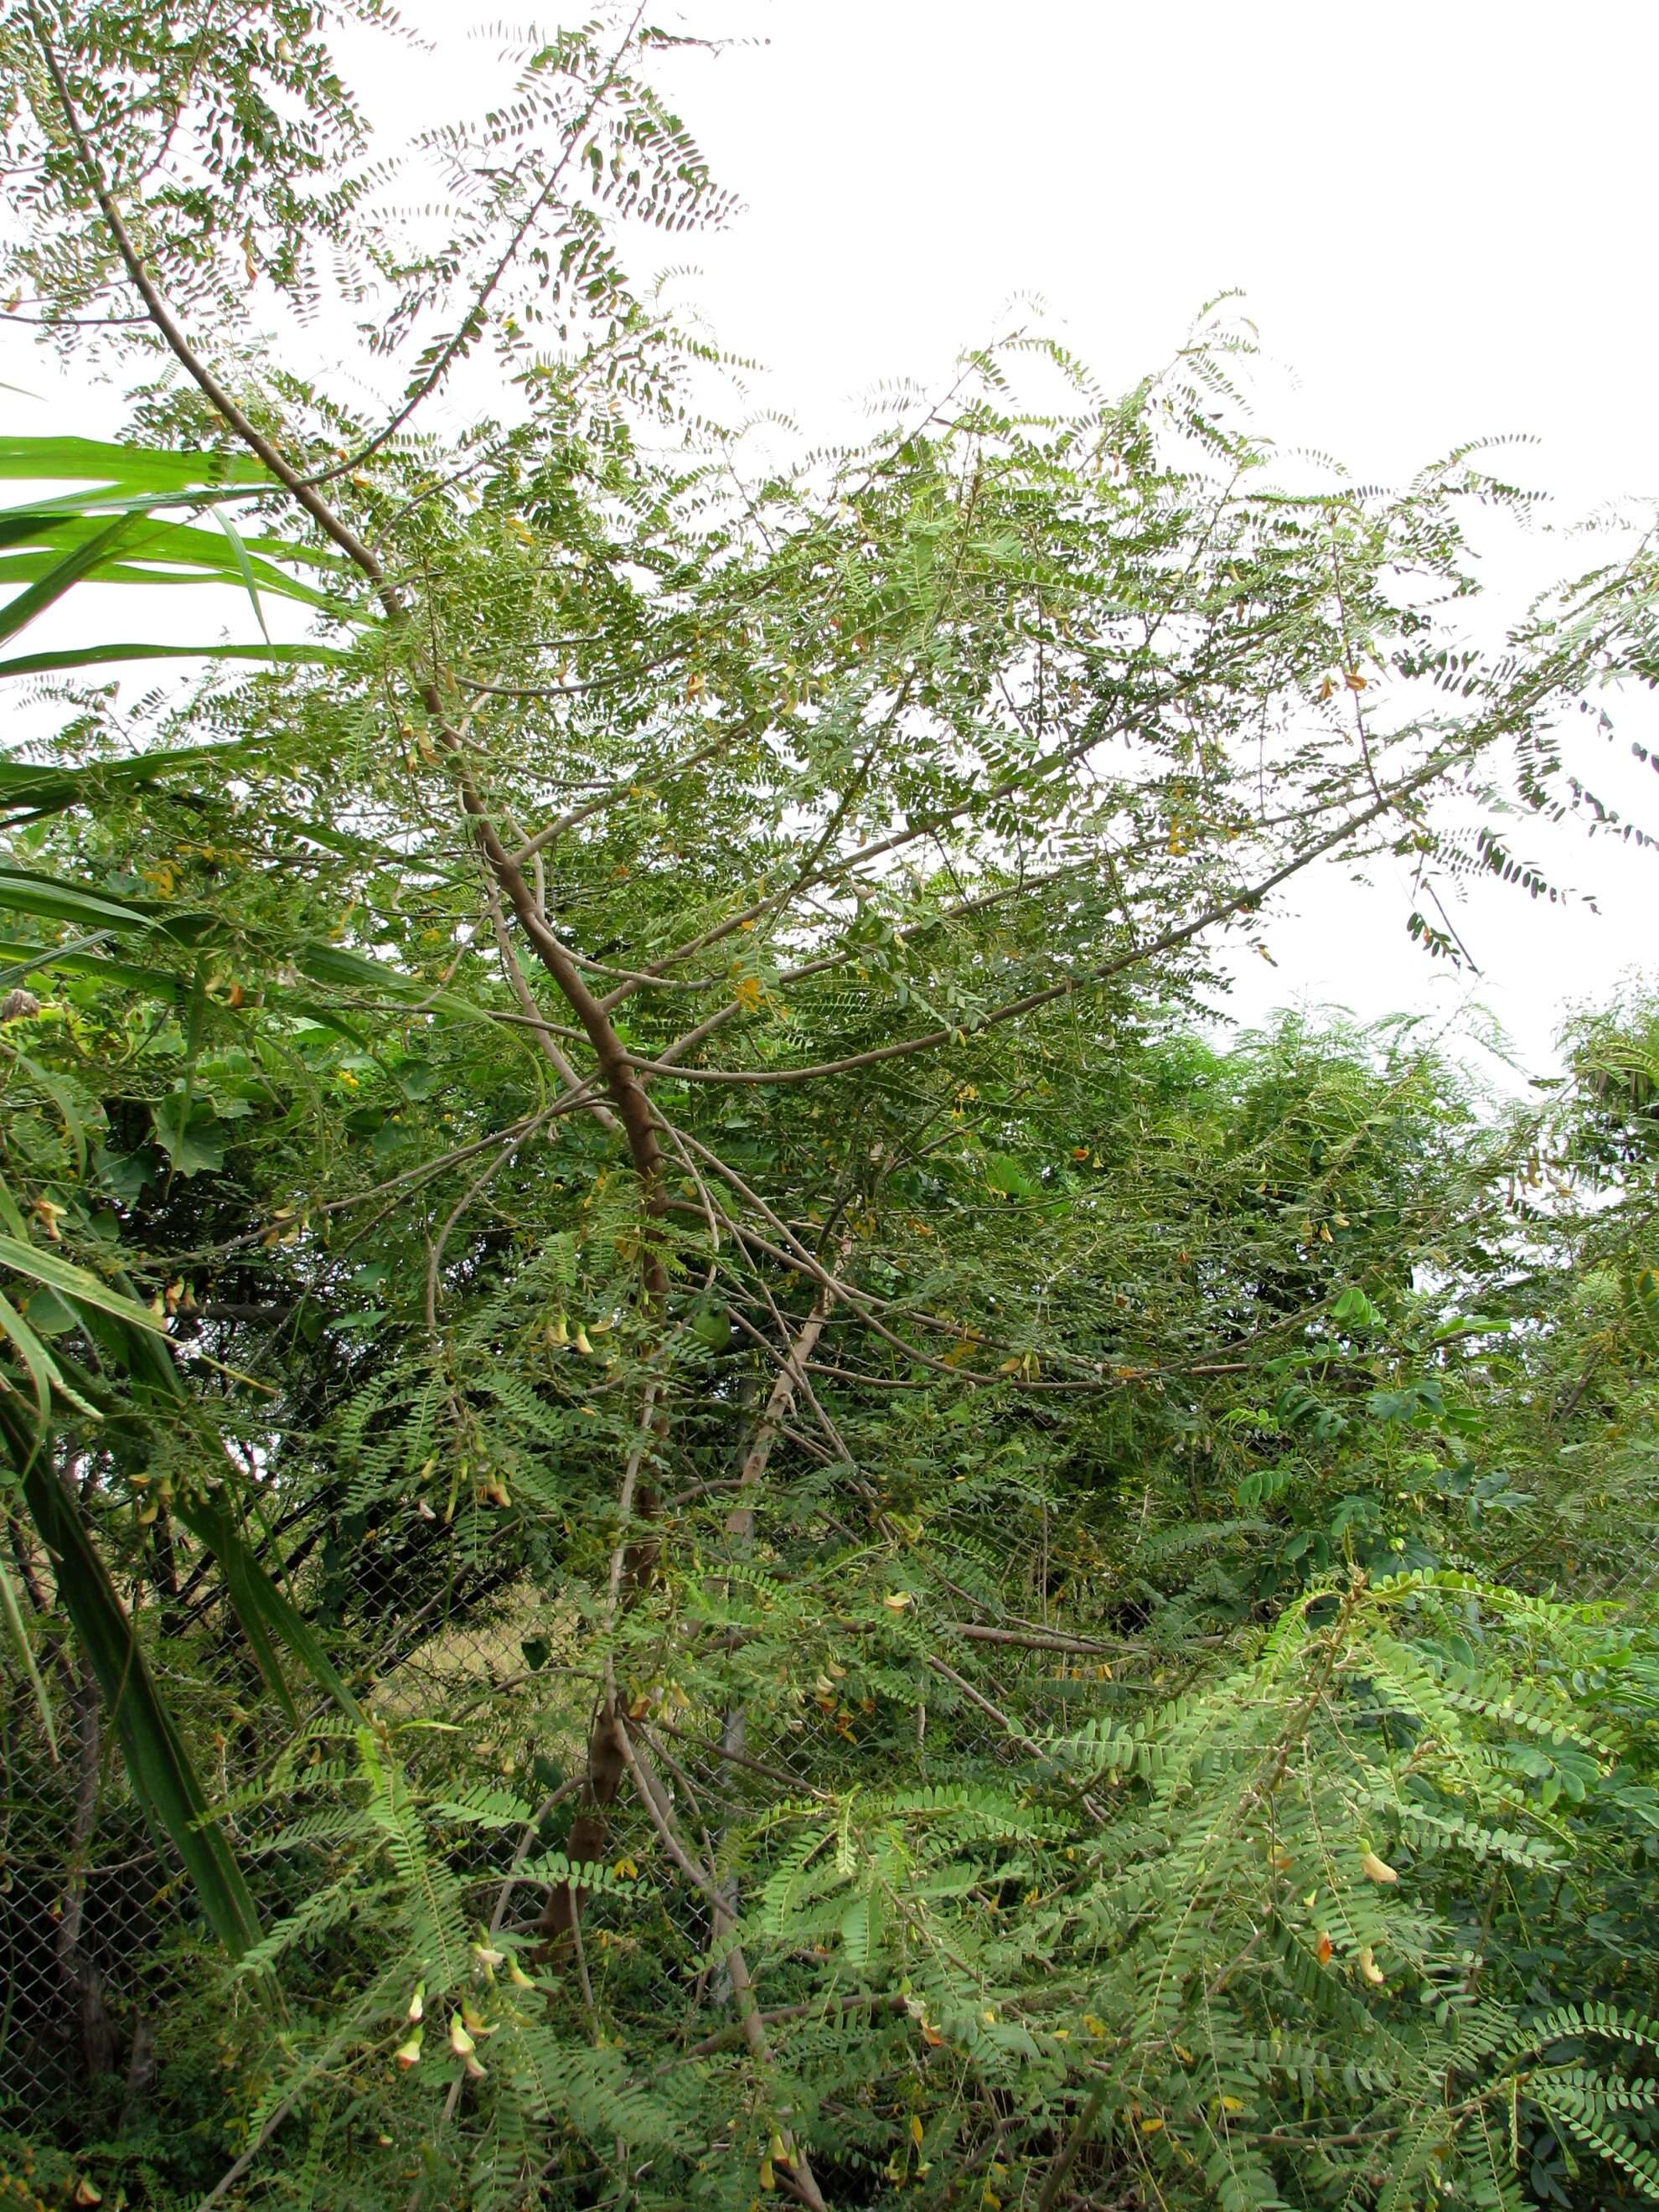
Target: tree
x=637, y=1081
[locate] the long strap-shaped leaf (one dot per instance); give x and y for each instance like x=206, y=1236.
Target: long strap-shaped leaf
x=47, y=789
x=140, y=467
x=132, y=1340
x=99, y=656
x=18, y=1635
x=158, y=1765
x=262, y=1609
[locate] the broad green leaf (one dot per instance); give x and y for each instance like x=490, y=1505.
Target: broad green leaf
x=49, y=1313
x=1004, y=1174
x=28, y=960
x=190, y=1134
x=25, y=891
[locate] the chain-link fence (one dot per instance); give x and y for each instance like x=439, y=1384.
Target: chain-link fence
x=97, y=1923
x=98, y=1931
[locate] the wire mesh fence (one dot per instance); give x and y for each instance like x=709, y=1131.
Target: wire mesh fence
x=98, y=1931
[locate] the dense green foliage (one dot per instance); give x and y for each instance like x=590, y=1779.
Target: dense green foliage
x=714, y=1510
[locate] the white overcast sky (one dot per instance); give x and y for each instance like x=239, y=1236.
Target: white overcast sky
x=1442, y=217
